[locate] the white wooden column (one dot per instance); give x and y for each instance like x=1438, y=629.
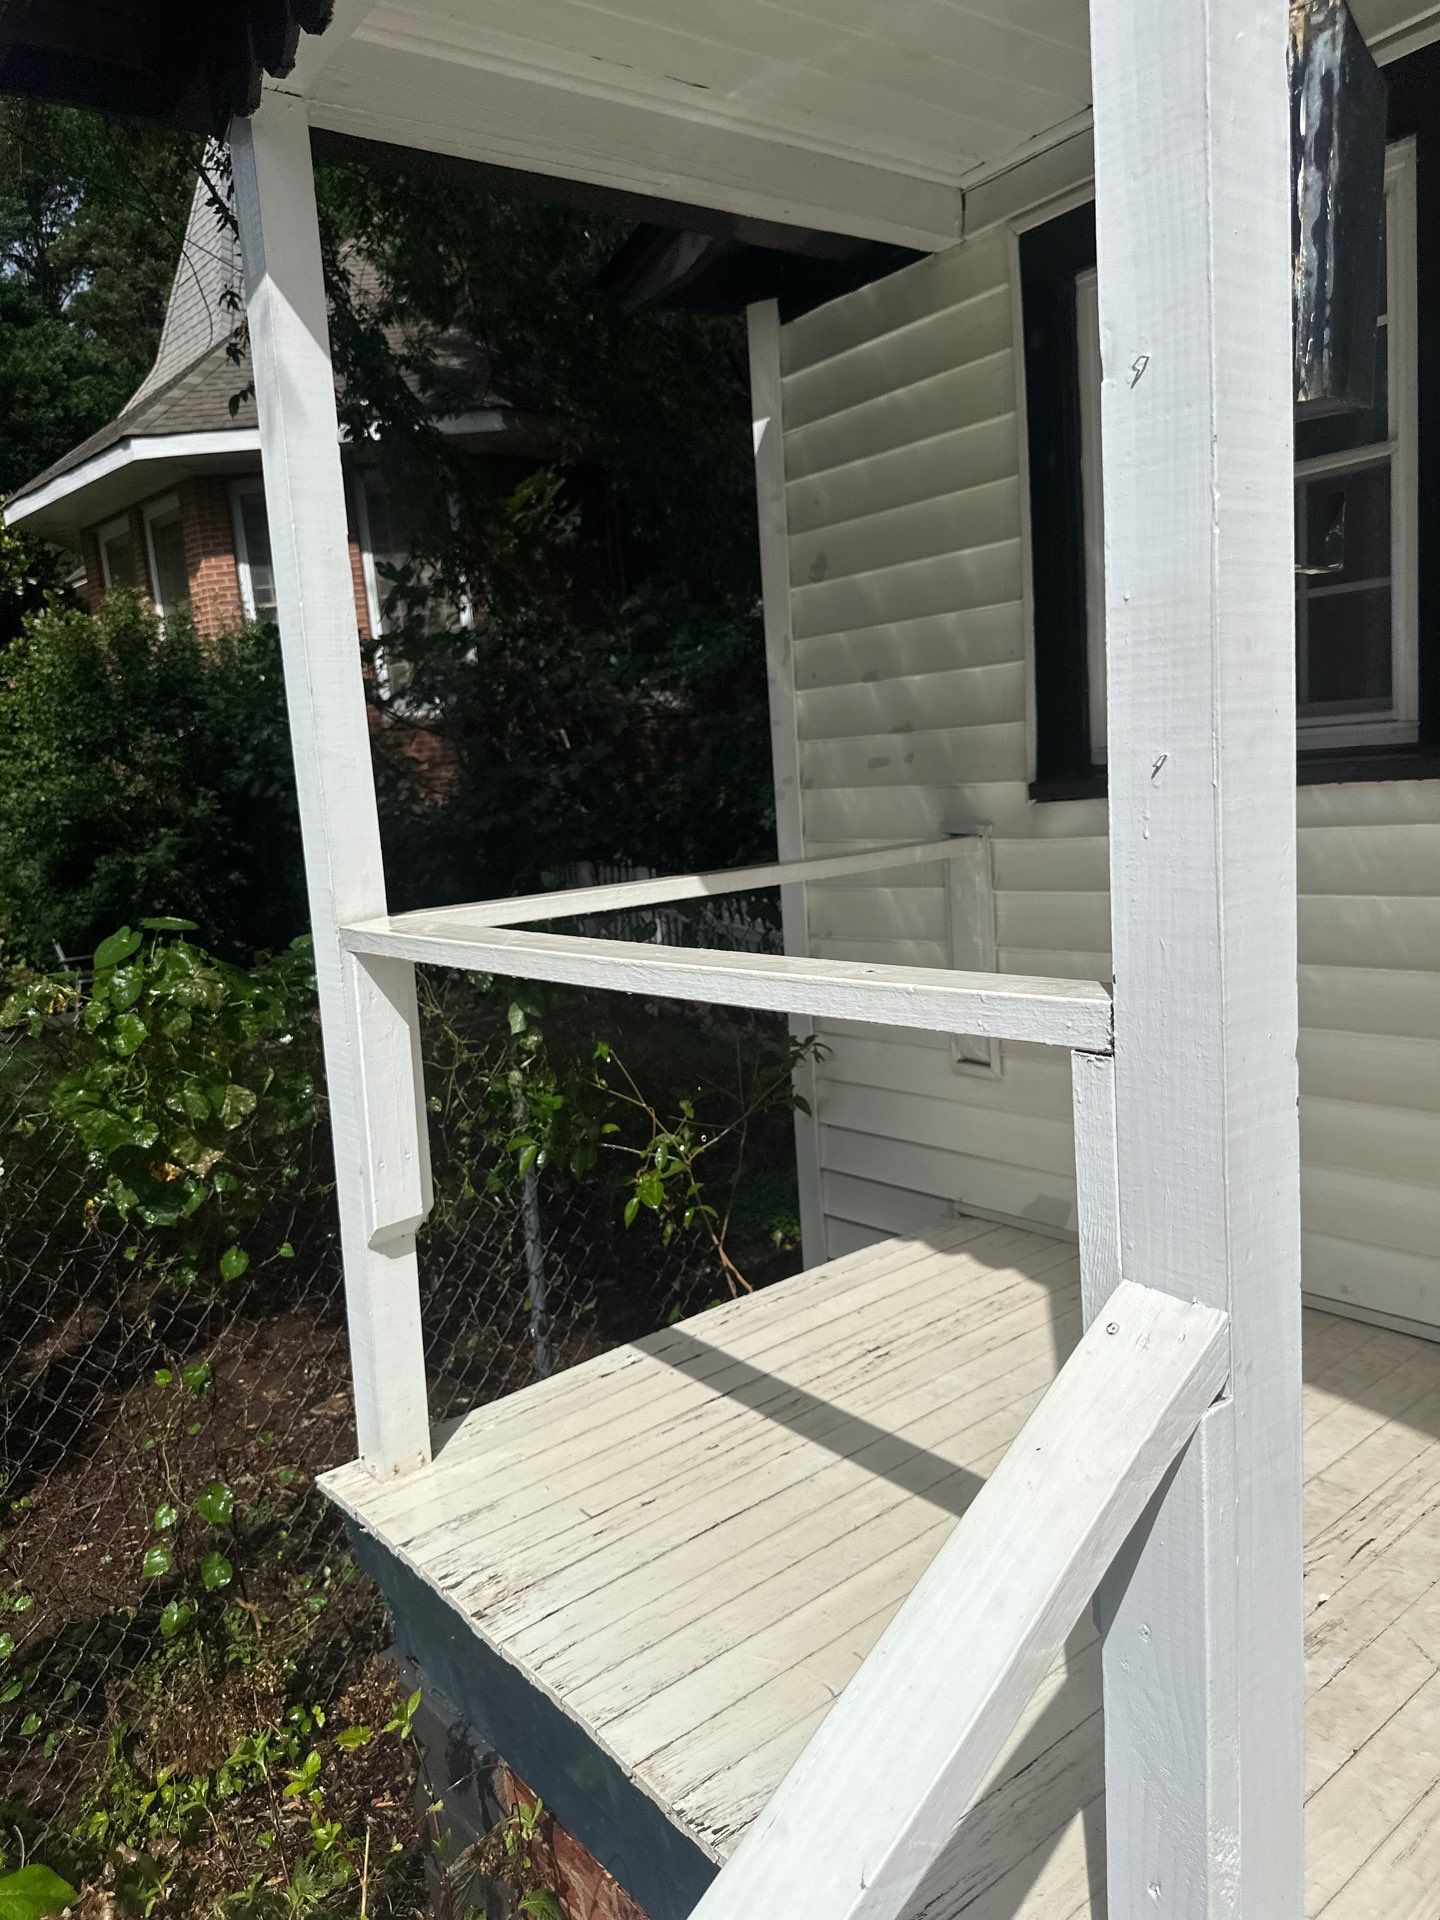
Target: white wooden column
x=1203, y=1659
x=774, y=525
x=367, y=1013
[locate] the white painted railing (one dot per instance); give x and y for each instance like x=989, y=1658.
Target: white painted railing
x=485, y=937
x=866, y=1810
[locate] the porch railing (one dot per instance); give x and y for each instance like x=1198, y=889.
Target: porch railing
x=930, y=1709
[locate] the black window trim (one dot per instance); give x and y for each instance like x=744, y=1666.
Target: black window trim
x=1051, y=255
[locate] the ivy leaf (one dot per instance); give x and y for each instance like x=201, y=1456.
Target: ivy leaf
x=157, y=1561
x=515, y=1015
x=236, y=1105
x=216, y=1504
x=632, y=1207
x=126, y=986
x=197, y=1377
x=528, y=1156
x=118, y=947
x=130, y=1033
x=7, y=1645
x=166, y=923
x=34, y=1893
x=233, y=1263
x=216, y=1572
x=175, y=1616
x=285, y=1251
x=541, y=1904
x=165, y=1516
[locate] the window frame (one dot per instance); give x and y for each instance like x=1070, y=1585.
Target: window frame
x=152, y=511
x=106, y=532
x=249, y=487
x=1054, y=248
x=360, y=514
x=1401, y=726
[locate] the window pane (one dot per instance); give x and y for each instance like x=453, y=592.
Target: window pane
x=257, y=552
x=1346, y=516
x=119, y=561
x=391, y=552
x=172, y=579
x=1348, y=651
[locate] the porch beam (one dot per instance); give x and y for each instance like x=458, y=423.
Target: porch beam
x=866, y=1811
x=1203, y=1651
x=1000, y=1006
x=305, y=501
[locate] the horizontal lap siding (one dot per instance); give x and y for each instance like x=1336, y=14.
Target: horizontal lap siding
x=905, y=505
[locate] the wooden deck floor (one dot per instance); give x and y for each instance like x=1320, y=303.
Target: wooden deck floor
x=654, y=1573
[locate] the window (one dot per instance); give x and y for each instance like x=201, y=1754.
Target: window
x=252, y=550
x=385, y=553
x=1356, y=510
x=169, y=575
x=119, y=562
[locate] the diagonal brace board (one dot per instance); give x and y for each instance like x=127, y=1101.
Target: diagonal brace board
x=621, y=895
x=866, y=1810
x=1057, y=1013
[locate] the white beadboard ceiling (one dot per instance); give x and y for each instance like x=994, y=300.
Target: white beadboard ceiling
x=866, y=116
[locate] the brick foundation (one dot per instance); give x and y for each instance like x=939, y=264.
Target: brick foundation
x=477, y=1792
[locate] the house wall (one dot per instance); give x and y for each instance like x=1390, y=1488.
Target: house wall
x=208, y=527
x=907, y=536
x=209, y=531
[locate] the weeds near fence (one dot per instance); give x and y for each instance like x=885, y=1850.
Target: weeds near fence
x=194, y=1718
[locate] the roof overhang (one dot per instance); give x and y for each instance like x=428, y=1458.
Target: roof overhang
x=135, y=468
x=130, y=470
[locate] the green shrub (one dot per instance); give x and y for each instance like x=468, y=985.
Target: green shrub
x=191, y=1086
x=144, y=773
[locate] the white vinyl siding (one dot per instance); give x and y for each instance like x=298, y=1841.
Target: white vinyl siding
x=905, y=494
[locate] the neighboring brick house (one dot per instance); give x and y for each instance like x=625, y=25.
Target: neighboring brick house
x=168, y=496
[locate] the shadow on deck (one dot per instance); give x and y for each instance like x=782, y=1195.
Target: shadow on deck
x=645, y=1580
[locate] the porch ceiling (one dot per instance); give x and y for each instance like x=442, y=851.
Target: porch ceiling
x=836, y=113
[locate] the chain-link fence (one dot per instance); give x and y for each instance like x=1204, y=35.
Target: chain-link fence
x=171, y=1585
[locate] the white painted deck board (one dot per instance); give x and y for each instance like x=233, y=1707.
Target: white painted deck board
x=693, y=1543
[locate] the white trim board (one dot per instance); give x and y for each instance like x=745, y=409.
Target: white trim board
x=131, y=452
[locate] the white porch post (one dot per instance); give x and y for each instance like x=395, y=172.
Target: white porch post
x=1203, y=1660
x=368, y=1016
x=768, y=426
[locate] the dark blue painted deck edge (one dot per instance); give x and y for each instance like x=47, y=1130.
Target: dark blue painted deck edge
x=586, y=1790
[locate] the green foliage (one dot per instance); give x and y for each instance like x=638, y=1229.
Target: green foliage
x=190, y=1083
x=30, y=571
x=559, y=1106
x=609, y=702
x=653, y=398
x=633, y=735
x=92, y=211
x=141, y=773
x=32, y=1893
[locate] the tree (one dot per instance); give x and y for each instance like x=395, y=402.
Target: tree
x=609, y=702
x=143, y=774
x=91, y=217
